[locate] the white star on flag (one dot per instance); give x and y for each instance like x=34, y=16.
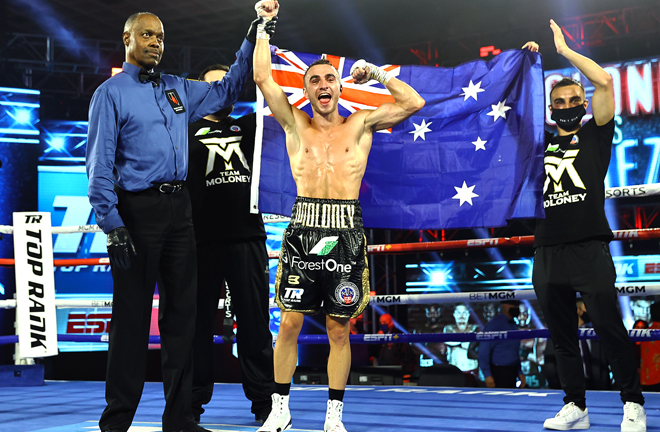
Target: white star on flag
x=471, y=90
x=499, y=110
x=465, y=194
x=420, y=130
x=479, y=144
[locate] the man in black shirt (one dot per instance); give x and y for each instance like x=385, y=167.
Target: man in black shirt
x=230, y=247
x=572, y=253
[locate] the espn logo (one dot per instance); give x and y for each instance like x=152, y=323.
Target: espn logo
x=652, y=268
x=83, y=323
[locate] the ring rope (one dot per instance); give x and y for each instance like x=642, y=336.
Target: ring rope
x=634, y=234
x=636, y=191
x=525, y=293
x=636, y=335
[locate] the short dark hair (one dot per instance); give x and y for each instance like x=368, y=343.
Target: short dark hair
x=565, y=82
x=321, y=61
x=511, y=302
x=130, y=21
x=217, y=66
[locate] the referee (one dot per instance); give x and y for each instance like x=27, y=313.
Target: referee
x=137, y=160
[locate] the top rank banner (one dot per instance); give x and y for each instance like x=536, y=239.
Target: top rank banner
x=35, y=285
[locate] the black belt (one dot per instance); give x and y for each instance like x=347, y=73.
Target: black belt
x=168, y=188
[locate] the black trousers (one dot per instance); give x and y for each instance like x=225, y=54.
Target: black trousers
x=505, y=376
x=244, y=266
x=161, y=228
x=560, y=271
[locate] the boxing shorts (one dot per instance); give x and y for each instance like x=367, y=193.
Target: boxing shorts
x=323, y=262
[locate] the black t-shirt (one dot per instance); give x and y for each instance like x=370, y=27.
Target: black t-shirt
x=574, y=191
x=219, y=174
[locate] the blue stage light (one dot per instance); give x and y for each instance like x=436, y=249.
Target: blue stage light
x=57, y=143
x=23, y=116
x=438, y=278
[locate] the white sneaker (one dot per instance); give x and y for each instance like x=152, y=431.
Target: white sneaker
x=279, y=418
x=568, y=418
x=333, y=417
x=634, y=418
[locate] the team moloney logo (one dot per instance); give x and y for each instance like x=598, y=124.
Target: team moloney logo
x=556, y=167
x=225, y=147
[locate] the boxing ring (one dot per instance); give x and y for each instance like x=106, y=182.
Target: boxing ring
x=74, y=406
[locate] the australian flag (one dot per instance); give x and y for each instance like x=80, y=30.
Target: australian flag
x=472, y=157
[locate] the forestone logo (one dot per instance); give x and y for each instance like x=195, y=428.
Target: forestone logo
x=324, y=246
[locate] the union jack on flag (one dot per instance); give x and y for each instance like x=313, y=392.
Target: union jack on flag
x=472, y=157
x=289, y=68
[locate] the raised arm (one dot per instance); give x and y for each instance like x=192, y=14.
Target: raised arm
x=602, y=102
x=407, y=101
x=207, y=98
x=275, y=97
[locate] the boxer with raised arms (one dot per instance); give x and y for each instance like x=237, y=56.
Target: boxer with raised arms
x=323, y=261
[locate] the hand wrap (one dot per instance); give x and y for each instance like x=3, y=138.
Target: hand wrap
x=375, y=72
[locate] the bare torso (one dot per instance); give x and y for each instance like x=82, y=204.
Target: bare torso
x=329, y=161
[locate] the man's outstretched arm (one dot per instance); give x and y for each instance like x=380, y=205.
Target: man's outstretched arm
x=602, y=102
x=407, y=100
x=275, y=97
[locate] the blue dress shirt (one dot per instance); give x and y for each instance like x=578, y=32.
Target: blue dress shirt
x=500, y=352
x=136, y=138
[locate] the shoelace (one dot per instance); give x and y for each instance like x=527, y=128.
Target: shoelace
x=566, y=410
x=334, y=417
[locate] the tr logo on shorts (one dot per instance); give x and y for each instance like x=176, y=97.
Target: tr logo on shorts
x=293, y=294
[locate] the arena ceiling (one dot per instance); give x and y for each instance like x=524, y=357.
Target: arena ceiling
x=65, y=48
x=355, y=28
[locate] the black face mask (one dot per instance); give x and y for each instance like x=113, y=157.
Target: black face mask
x=514, y=311
x=570, y=118
x=585, y=317
x=224, y=113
